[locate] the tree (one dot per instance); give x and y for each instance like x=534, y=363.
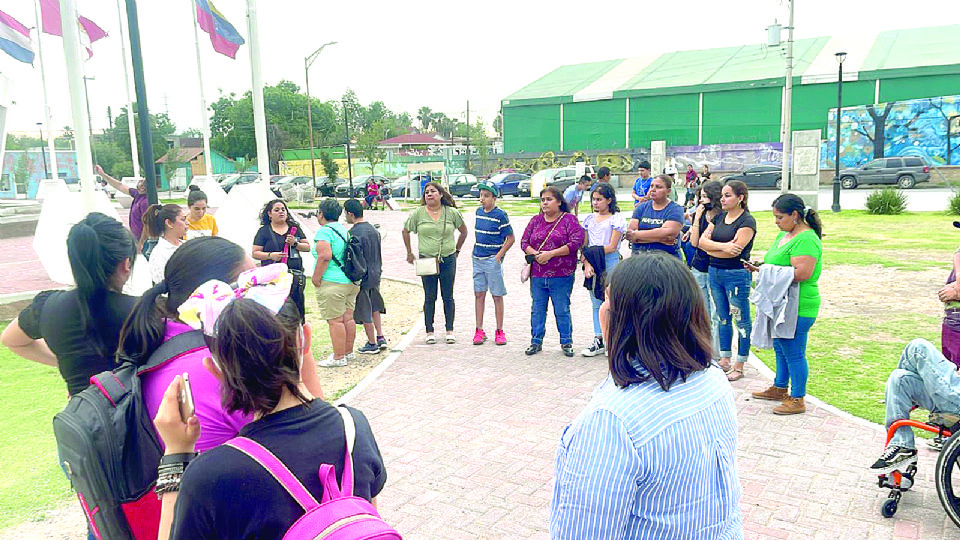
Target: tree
x=498, y=124
x=192, y=132
x=109, y=154
x=65, y=141
x=480, y=141
x=172, y=162
x=161, y=127
x=368, y=145
x=22, y=172
x=330, y=167
x=425, y=117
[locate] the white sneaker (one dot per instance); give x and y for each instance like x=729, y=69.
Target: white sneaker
x=431, y=339
x=351, y=356
x=333, y=362
x=451, y=339
x=595, y=349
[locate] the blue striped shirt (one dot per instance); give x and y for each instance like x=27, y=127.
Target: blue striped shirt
x=641, y=463
x=492, y=230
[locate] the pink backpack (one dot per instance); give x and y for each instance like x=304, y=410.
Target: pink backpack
x=339, y=515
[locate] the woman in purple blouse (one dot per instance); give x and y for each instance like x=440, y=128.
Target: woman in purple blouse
x=551, y=241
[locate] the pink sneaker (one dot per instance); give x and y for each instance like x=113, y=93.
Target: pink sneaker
x=501, y=338
x=479, y=337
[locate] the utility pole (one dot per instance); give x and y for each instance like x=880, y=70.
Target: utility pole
x=307, y=62
x=468, y=137
x=787, y=109
x=841, y=56
x=346, y=123
x=43, y=155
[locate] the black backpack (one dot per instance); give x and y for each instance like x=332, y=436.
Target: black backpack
x=354, y=264
x=109, y=448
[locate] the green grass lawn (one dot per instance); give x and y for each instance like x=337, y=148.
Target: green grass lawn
x=851, y=357
x=31, y=481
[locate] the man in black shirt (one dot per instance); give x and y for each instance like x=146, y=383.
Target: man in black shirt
x=370, y=303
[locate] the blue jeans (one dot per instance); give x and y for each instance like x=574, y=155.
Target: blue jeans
x=612, y=260
x=792, y=359
x=703, y=281
x=556, y=290
x=730, y=288
x=923, y=377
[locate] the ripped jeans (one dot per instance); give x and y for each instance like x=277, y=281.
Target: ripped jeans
x=731, y=297
x=923, y=377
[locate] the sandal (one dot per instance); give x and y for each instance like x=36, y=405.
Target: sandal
x=735, y=374
x=725, y=366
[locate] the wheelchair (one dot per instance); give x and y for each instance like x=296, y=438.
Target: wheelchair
x=947, y=473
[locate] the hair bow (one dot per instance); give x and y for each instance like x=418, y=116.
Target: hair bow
x=268, y=286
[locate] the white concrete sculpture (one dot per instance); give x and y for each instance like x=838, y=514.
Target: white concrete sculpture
x=59, y=213
x=50, y=187
x=216, y=196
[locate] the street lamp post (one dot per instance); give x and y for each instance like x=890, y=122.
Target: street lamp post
x=43, y=153
x=87, y=95
x=841, y=56
x=346, y=125
x=307, y=62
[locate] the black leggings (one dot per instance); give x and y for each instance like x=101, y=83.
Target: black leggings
x=448, y=271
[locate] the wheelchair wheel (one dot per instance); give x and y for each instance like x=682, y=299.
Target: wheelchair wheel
x=948, y=477
x=889, y=508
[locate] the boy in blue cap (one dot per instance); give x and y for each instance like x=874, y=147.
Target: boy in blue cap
x=494, y=239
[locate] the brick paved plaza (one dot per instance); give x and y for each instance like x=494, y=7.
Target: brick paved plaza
x=468, y=432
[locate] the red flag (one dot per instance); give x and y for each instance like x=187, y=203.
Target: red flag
x=50, y=21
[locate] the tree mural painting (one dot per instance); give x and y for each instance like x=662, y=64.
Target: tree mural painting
x=916, y=127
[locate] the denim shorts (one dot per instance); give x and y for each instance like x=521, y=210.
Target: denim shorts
x=488, y=276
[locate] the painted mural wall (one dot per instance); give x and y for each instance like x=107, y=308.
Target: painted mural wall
x=30, y=164
x=917, y=127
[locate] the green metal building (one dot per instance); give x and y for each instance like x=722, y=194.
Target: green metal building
x=726, y=95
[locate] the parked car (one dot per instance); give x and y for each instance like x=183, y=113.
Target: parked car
x=327, y=187
x=561, y=178
x=906, y=172
x=400, y=186
x=758, y=176
x=359, y=186
x=295, y=180
x=237, y=179
x=276, y=178
x=460, y=185
x=507, y=183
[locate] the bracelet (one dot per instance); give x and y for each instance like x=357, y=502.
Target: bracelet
x=178, y=458
x=167, y=484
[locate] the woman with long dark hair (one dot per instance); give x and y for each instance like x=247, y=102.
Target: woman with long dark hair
x=654, y=451
x=604, y=229
x=434, y=223
x=551, y=242
x=168, y=223
x=77, y=331
x=226, y=494
x=707, y=209
x=728, y=241
x=280, y=239
x=797, y=247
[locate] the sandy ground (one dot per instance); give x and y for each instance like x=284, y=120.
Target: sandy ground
x=876, y=290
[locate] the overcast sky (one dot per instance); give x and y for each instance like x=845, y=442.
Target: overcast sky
x=410, y=54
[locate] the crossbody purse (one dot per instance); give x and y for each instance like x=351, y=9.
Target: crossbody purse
x=525, y=271
x=430, y=266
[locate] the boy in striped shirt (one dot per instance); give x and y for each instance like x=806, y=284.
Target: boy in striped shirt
x=494, y=238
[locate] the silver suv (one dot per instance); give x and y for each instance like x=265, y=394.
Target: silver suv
x=906, y=172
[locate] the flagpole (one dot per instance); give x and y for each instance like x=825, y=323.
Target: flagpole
x=205, y=126
x=78, y=98
x=48, y=114
x=259, y=118
x=140, y=85
x=131, y=127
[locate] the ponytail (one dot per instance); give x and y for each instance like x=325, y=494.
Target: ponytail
x=191, y=265
x=95, y=247
x=789, y=203
x=155, y=217
x=195, y=195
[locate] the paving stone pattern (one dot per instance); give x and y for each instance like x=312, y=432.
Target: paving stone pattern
x=469, y=432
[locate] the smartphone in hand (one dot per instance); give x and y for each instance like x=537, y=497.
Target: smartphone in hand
x=751, y=266
x=185, y=397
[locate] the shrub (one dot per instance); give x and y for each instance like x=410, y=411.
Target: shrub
x=887, y=201
x=953, y=205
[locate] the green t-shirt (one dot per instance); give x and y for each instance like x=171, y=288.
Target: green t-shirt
x=428, y=231
x=338, y=247
x=805, y=243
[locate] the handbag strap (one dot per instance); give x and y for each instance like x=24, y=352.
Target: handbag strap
x=345, y=241
x=549, y=233
x=272, y=464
